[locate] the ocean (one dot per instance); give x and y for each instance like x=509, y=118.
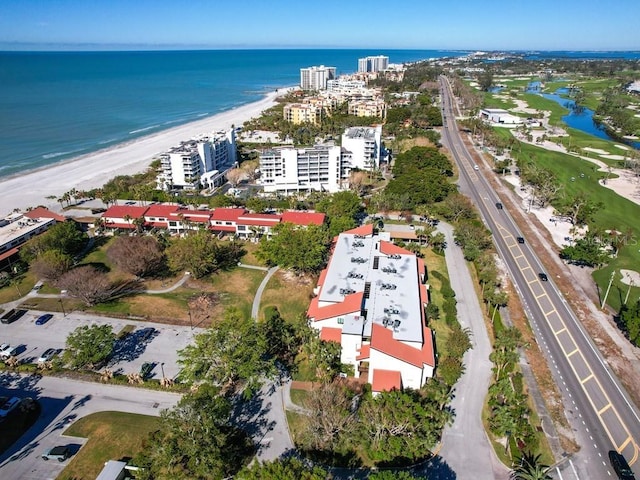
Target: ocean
x=58, y=105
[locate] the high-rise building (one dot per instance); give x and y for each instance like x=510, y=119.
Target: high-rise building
x=290, y=170
x=373, y=64
x=316, y=78
x=364, y=146
x=186, y=165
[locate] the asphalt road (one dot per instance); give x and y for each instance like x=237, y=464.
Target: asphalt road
x=599, y=409
x=63, y=401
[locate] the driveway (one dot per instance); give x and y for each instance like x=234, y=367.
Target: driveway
x=63, y=401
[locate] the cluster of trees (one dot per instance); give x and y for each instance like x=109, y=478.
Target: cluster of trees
x=629, y=319
x=303, y=250
x=89, y=346
x=421, y=115
x=420, y=176
x=509, y=411
x=613, y=111
x=392, y=428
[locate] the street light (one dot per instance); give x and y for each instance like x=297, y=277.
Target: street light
x=162, y=369
x=190, y=319
x=64, y=314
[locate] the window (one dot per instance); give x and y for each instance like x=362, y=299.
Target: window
x=340, y=321
x=241, y=227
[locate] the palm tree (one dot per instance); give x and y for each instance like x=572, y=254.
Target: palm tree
x=530, y=468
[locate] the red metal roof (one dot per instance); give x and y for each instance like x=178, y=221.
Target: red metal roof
x=352, y=303
x=121, y=211
x=389, y=248
x=365, y=352
x=161, y=210
x=331, y=334
x=222, y=228
x=9, y=253
x=228, y=214
x=382, y=340
x=259, y=219
x=128, y=226
x=42, y=212
x=386, y=380
x=303, y=218
x=362, y=230
x=323, y=276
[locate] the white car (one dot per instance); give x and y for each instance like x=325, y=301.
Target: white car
x=47, y=355
x=475, y=167
x=7, y=351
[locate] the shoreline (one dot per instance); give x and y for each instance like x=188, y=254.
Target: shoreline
x=92, y=170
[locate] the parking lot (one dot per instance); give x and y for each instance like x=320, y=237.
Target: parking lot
x=155, y=343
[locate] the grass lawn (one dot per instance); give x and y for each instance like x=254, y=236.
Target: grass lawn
x=249, y=258
x=13, y=292
x=298, y=397
x=112, y=436
x=617, y=213
x=491, y=101
x=436, y=263
x=290, y=294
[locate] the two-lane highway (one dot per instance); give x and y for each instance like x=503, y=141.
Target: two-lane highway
x=599, y=409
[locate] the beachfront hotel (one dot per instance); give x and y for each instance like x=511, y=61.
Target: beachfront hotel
x=316, y=78
x=376, y=63
x=371, y=299
x=200, y=161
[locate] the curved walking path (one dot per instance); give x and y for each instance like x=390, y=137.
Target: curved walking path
x=465, y=446
x=255, y=308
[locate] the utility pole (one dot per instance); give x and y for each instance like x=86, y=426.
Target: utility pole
x=604, y=300
x=626, y=298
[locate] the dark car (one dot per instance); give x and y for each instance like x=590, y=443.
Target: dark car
x=520, y=239
x=60, y=453
x=12, y=315
x=42, y=319
x=543, y=277
x=621, y=466
x=499, y=205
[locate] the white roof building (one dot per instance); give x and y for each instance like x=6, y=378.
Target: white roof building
x=498, y=116
x=376, y=63
x=371, y=299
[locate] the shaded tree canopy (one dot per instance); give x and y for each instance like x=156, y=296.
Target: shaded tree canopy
x=65, y=237
x=88, y=346
x=303, y=249
x=93, y=286
x=195, y=441
x=139, y=256
x=230, y=354
x=283, y=469
x=201, y=254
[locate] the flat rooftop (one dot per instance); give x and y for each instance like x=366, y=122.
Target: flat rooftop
x=20, y=226
x=392, y=282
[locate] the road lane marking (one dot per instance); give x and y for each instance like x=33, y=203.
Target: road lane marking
x=604, y=409
x=587, y=379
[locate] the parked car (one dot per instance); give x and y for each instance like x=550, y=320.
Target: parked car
x=475, y=167
x=8, y=406
x=47, y=355
x=543, y=276
x=42, y=319
x=620, y=466
x=60, y=453
x=499, y=205
x=7, y=351
x=12, y=315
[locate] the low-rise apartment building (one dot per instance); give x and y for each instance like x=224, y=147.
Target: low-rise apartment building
x=371, y=299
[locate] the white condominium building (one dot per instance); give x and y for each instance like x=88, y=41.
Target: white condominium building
x=316, y=78
x=363, y=145
x=193, y=162
x=290, y=170
x=373, y=64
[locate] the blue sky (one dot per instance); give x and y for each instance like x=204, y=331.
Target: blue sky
x=419, y=24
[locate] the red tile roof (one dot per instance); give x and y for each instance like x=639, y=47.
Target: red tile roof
x=9, y=253
x=330, y=334
x=228, y=214
x=127, y=226
x=382, y=340
x=161, y=210
x=386, y=380
x=259, y=219
x=351, y=304
x=121, y=211
x=42, y=212
x=365, y=352
x=303, y=218
x=323, y=276
x=362, y=230
x=389, y=248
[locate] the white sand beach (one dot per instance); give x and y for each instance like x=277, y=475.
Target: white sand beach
x=95, y=169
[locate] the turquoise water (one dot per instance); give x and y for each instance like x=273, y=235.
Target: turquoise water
x=58, y=105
